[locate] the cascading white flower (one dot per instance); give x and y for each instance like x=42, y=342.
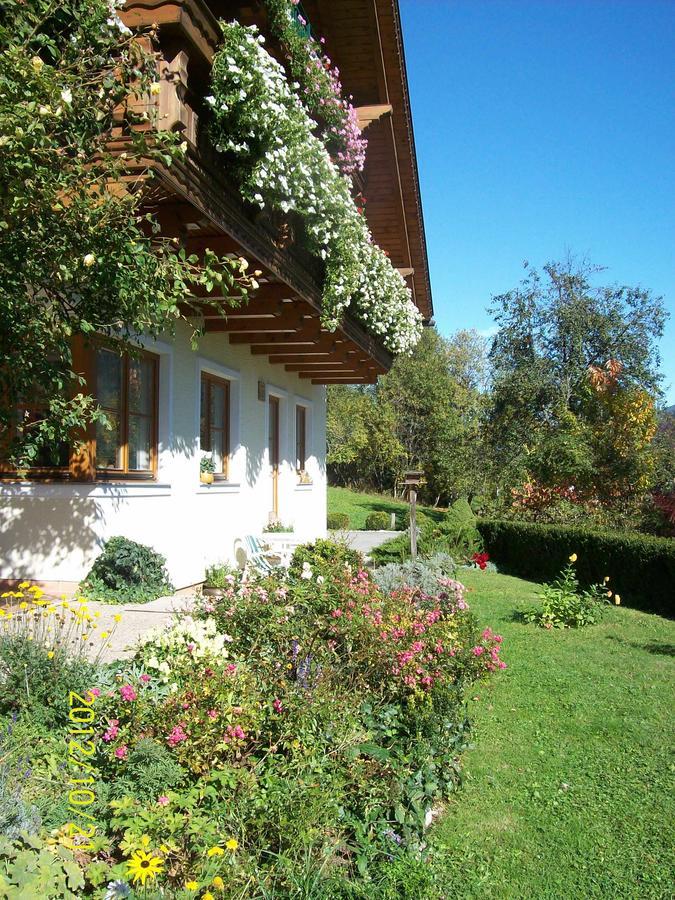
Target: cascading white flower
x=260, y=119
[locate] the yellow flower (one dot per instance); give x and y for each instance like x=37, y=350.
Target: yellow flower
x=232, y=844
x=573, y=558
x=117, y=617
x=104, y=635
x=24, y=585
x=215, y=851
x=218, y=883
x=50, y=655
x=191, y=886
x=617, y=599
x=144, y=865
x=155, y=88
x=605, y=579
x=208, y=896
x=23, y=605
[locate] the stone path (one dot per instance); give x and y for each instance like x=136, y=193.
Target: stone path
x=364, y=541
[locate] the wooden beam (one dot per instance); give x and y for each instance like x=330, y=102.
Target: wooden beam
x=257, y=324
x=329, y=373
x=348, y=379
x=365, y=115
x=288, y=348
x=305, y=356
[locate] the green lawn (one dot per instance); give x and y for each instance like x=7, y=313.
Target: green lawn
x=358, y=506
x=569, y=790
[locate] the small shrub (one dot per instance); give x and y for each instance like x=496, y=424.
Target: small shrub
x=127, y=572
x=421, y=518
x=29, y=868
x=422, y=574
x=151, y=772
x=337, y=521
x=378, y=521
x=277, y=528
x=456, y=534
x=564, y=605
x=324, y=556
x=36, y=681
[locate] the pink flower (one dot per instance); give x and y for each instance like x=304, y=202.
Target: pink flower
x=121, y=752
x=163, y=800
x=478, y=651
x=145, y=678
x=177, y=736
x=128, y=693
x=112, y=731
x=212, y=713
x=230, y=668
x=234, y=733
x=336, y=613
x=278, y=706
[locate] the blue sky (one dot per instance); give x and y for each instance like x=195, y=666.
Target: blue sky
x=542, y=128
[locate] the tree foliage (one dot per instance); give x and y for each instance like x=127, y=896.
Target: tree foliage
x=79, y=254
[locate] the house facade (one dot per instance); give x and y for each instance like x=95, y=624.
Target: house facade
x=253, y=393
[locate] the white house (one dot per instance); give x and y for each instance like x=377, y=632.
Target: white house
x=254, y=392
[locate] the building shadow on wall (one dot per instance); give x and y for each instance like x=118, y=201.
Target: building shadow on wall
x=39, y=531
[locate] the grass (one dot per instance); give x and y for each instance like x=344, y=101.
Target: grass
x=358, y=506
x=568, y=791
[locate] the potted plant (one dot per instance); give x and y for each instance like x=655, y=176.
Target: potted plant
x=216, y=578
x=207, y=469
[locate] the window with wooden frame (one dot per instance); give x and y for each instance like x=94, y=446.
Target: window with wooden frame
x=125, y=387
x=301, y=439
x=127, y=392
x=214, y=422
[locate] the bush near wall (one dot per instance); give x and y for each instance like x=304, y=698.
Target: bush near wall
x=641, y=567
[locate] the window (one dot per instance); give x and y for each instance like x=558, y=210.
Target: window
x=214, y=421
x=126, y=390
x=300, y=439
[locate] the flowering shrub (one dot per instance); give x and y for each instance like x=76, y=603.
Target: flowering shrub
x=167, y=650
x=321, y=90
x=259, y=120
x=564, y=605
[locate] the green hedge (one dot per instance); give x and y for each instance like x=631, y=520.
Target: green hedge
x=337, y=521
x=641, y=568
x=378, y=521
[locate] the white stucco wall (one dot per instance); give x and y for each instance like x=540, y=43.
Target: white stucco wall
x=53, y=532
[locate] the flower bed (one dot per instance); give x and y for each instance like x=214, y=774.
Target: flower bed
x=299, y=726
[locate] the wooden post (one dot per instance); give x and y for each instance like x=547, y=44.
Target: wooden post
x=413, y=523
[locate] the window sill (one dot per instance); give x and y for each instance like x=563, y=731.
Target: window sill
x=117, y=490
x=218, y=487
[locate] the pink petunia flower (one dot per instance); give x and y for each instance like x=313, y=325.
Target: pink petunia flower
x=121, y=752
x=128, y=693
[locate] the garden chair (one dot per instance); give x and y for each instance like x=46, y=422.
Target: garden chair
x=261, y=556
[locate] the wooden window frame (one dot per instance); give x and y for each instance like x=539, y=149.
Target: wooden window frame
x=301, y=432
x=124, y=473
x=208, y=378
x=82, y=464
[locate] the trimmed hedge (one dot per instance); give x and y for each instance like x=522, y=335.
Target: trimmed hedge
x=337, y=521
x=641, y=567
x=378, y=521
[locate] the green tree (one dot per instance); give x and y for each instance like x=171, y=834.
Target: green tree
x=554, y=329
x=79, y=256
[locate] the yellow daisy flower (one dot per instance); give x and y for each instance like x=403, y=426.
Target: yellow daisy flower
x=218, y=883
x=117, y=617
x=144, y=865
x=232, y=844
x=215, y=851
x=208, y=896
x=50, y=655
x=24, y=585
x=573, y=558
x=191, y=885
